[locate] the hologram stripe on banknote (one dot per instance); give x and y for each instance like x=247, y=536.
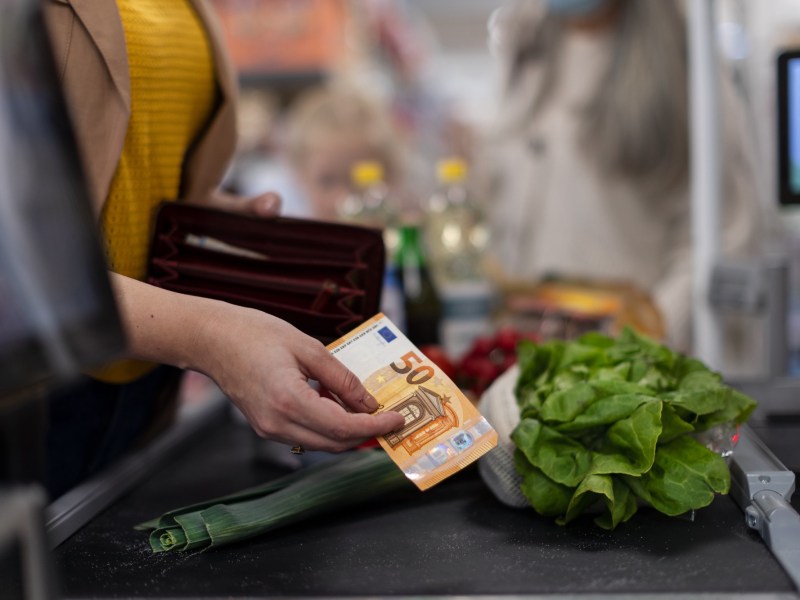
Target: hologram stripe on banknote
x=443, y=431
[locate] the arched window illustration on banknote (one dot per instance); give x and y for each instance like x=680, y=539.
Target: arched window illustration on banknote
x=427, y=414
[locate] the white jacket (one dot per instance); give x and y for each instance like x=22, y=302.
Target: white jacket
x=552, y=211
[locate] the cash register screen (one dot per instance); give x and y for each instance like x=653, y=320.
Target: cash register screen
x=57, y=313
x=789, y=126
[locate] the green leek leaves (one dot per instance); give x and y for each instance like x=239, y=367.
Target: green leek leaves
x=344, y=481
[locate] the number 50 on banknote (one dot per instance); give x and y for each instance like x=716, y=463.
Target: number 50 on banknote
x=443, y=432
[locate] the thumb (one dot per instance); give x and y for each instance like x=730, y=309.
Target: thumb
x=264, y=205
x=340, y=380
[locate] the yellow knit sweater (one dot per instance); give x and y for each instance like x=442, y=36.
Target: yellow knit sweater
x=172, y=96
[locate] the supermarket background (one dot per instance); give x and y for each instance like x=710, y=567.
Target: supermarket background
x=434, y=59
x=435, y=66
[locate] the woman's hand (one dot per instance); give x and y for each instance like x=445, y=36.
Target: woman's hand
x=263, y=364
x=264, y=205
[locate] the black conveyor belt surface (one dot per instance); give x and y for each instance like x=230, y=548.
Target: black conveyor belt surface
x=453, y=539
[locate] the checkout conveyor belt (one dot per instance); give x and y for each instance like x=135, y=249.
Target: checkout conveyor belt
x=453, y=540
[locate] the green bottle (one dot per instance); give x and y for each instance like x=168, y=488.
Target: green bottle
x=423, y=310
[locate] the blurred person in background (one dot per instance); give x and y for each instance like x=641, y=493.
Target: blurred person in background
x=331, y=128
x=588, y=164
x=151, y=95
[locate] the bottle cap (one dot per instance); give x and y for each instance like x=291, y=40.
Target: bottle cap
x=366, y=173
x=451, y=170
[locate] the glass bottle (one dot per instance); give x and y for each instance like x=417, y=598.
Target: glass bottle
x=370, y=205
x=456, y=236
x=420, y=299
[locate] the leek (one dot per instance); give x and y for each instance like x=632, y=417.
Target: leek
x=324, y=487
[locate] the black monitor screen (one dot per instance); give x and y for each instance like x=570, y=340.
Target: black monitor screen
x=57, y=313
x=789, y=126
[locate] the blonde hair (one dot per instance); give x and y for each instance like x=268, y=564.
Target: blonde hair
x=344, y=110
x=636, y=125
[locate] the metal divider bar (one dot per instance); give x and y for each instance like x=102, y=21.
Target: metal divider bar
x=73, y=510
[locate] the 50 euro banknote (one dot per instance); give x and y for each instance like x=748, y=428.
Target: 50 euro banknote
x=443, y=431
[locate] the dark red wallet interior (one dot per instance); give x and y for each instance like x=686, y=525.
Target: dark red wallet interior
x=323, y=278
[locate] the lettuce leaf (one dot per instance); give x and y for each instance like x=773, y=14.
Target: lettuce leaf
x=607, y=424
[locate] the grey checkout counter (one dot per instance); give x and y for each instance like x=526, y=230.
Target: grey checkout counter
x=453, y=540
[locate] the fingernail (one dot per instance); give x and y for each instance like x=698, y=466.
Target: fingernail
x=272, y=203
x=370, y=403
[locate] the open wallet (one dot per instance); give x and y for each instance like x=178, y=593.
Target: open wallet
x=323, y=278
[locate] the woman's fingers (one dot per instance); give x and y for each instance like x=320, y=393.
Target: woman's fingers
x=300, y=415
x=340, y=380
x=334, y=423
x=265, y=205
x=310, y=439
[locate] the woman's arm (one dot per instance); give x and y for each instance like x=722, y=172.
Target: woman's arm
x=262, y=363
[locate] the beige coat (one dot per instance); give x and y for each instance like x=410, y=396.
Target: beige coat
x=91, y=57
